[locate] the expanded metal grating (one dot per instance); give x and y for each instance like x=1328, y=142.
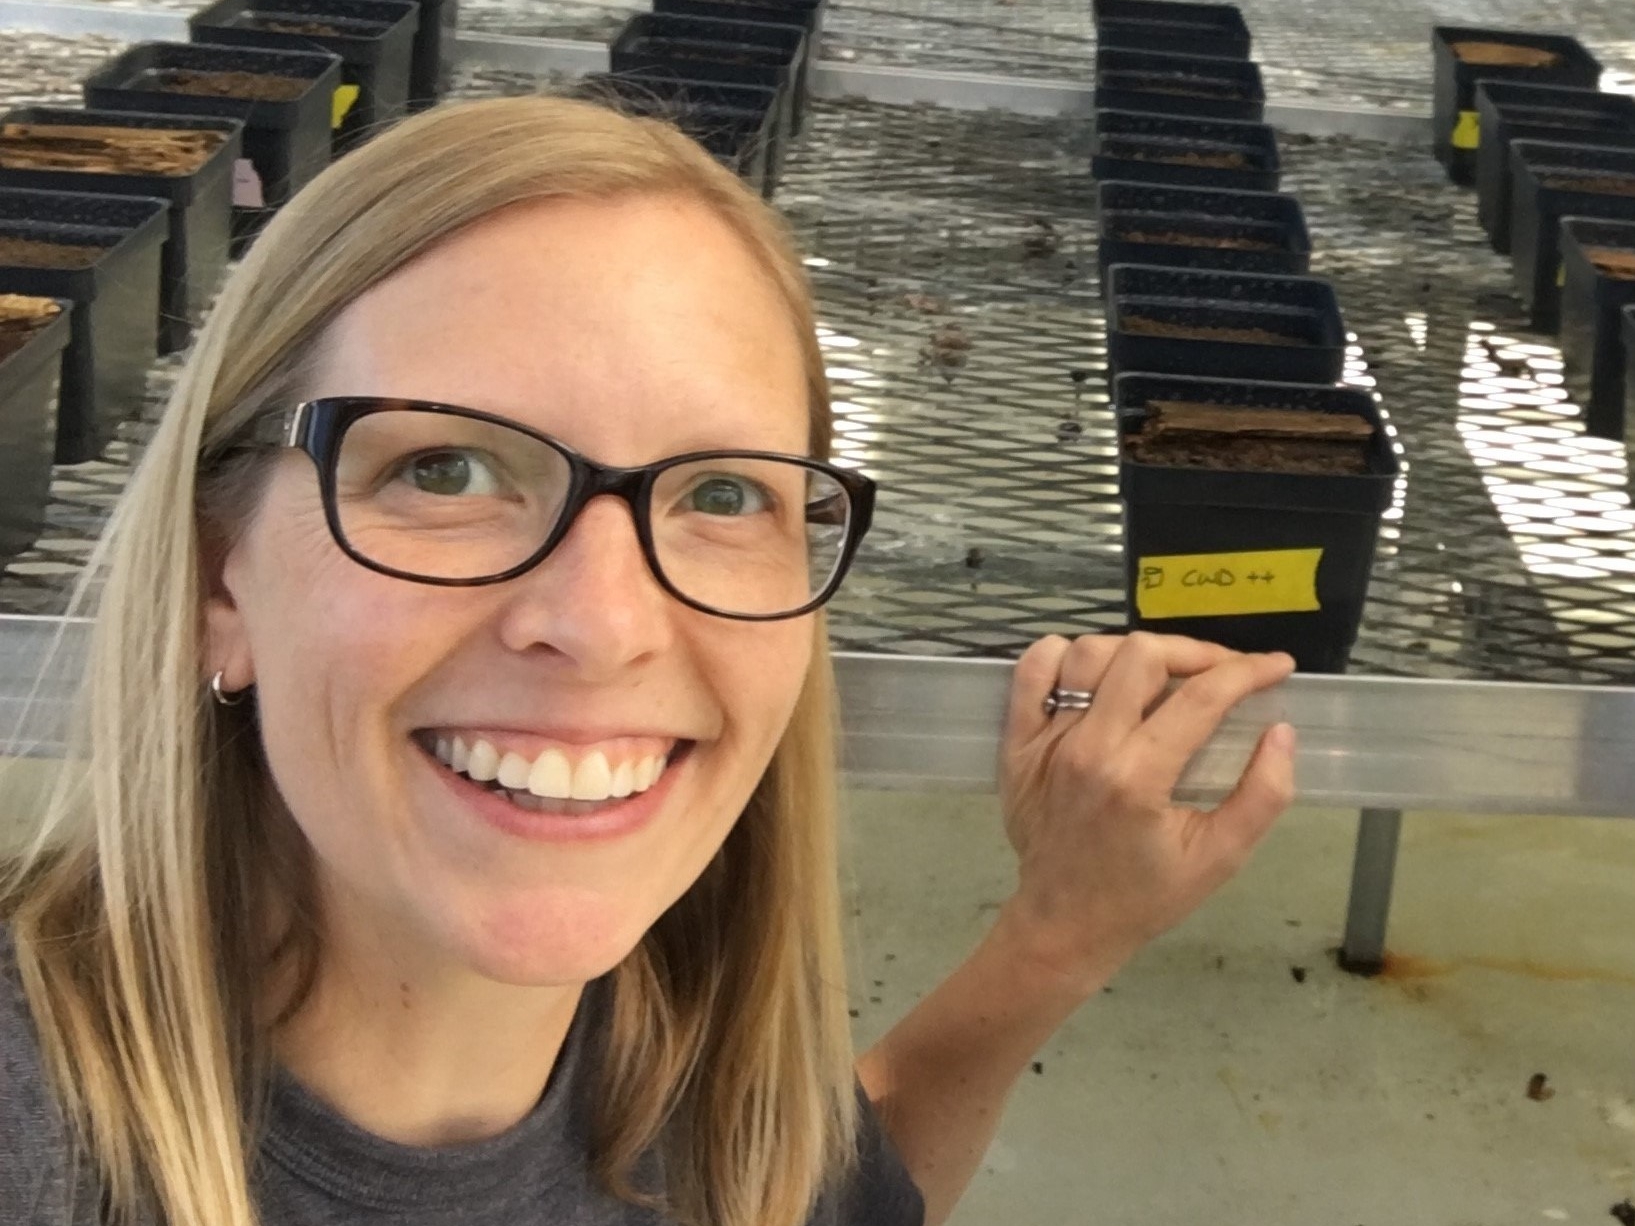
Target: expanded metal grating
x=953, y=256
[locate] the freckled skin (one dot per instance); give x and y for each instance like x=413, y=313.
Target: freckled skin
x=631, y=330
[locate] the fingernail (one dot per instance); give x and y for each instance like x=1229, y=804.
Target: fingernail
x=1283, y=736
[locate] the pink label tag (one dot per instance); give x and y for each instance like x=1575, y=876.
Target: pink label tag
x=247, y=192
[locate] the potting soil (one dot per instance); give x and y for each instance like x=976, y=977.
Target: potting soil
x=1232, y=438
x=97, y=150
x=1217, y=161
x=258, y=86
x=1173, y=84
x=275, y=26
x=38, y=253
x=1608, y=186
x=1614, y=262
x=1504, y=55
x=21, y=316
x=1222, y=242
x=1140, y=325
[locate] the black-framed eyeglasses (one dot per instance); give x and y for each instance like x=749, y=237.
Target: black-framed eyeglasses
x=455, y=497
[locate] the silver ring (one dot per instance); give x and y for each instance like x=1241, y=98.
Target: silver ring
x=220, y=696
x=1068, y=700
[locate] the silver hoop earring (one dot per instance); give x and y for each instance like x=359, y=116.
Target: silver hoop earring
x=222, y=698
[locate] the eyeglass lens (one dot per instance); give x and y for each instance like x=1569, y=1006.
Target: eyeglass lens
x=445, y=497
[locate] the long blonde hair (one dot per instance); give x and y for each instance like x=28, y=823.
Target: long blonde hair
x=138, y=911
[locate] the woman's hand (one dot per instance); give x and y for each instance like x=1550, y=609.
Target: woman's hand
x=1108, y=860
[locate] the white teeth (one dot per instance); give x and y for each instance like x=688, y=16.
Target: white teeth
x=552, y=776
x=460, y=755
x=624, y=781
x=592, y=778
x=513, y=772
x=484, y=763
x=652, y=768
x=445, y=753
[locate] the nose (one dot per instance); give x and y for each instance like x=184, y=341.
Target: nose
x=594, y=600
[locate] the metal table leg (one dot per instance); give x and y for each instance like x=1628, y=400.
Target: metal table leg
x=1373, y=870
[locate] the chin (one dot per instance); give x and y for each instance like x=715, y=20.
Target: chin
x=553, y=945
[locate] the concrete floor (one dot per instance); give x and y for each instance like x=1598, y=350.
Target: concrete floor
x=1210, y=1086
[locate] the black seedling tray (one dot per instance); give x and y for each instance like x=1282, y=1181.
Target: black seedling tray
x=30, y=381
x=650, y=89
x=286, y=143
x=1540, y=200
x=1629, y=372
x=1510, y=112
x=1244, y=535
x=115, y=331
x=807, y=14
x=1157, y=82
x=1180, y=28
x=1457, y=133
x=201, y=205
x=1138, y=147
x=742, y=137
x=1181, y=237
x=375, y=40
x=1303, y=310
x=707, y=49
x=1592, y=305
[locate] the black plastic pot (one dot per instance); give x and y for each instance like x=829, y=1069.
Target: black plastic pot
x=744, y=138
x=30, y=379
x=1457, y=132
x=1629, y=374
x=660, y=93
x=374, y=38
x=807, y=14
x=1593, y=298
x=430, y=71
x=1180, y=28
x=115, y=331
x=1302, y=311
x=1187, y=227
x=1144, y=148
x=195, y=253
x=1550, y=182
x=1156, y=82
x=1258, y=561
x=706, y=49
x=1509, y=112
x=286, y=143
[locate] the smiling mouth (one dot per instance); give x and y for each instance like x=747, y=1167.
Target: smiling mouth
x=559, y=780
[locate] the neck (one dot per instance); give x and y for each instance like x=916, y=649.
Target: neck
x=424, y=1055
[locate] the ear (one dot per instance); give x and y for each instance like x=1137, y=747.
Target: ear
x=226, y=636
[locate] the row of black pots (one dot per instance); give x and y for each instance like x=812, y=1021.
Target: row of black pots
x=132, y=251
x=730, y=73
x=1555, y=178
x=1220, y=349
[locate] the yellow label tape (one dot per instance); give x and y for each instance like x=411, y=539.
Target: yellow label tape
x=345, y=97
x=1228, y=584
x=1561, y=275
x=1467, y=133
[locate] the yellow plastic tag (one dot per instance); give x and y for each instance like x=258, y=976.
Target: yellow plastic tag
x=1228, y=584
x=1561, y=276
x=345, y=96
x=1467, y=133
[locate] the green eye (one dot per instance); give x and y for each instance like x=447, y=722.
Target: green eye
x=451, y=474
x=727, y=496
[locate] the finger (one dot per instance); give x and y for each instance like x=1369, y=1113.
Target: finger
x=1138, y=675
x=1084, y=667
x=1186, y=720
x=1264, y=791
x=1035, y=675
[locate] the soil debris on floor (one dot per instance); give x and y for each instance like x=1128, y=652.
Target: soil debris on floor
x=1539, y=1088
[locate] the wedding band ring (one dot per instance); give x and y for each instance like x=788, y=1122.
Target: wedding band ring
x=1068, y=700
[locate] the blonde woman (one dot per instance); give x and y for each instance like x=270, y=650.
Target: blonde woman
x=450, y=836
